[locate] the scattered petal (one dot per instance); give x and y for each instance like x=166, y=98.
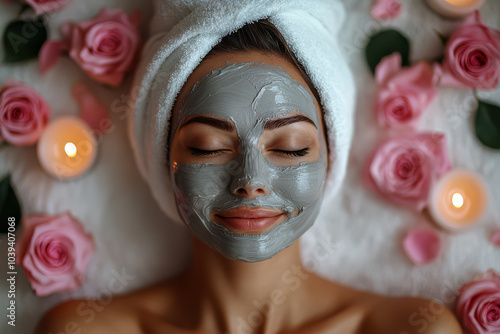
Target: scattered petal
x=495, y=238
x=422, y=245
x=136, y=17
x=386, y=9
x=388, y=67
x=49, y=54
x=91, y=110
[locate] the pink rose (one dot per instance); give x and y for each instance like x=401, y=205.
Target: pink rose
x=402, y=170
x=478, y=305
x=24, y=113
x=54, y=251
x=403, y=94
x=386, y=9
x=104, y=47
x=45, y=6
x=472, y=56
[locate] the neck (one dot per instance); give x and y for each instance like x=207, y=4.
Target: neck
x=236, y=294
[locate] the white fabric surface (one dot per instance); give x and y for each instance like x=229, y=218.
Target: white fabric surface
x=356, y=241
x=186, y=30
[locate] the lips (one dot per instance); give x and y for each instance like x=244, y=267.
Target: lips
x=248, y=219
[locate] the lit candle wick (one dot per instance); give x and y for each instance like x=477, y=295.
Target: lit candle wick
x=457, y=200
x=70, y=149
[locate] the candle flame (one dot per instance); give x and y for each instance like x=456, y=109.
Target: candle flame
x=457, y=200
x=70, y=149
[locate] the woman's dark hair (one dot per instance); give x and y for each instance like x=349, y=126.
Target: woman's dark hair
x=263, y=36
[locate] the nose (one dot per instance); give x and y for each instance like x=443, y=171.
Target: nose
x=251, y=190
x=252, y=179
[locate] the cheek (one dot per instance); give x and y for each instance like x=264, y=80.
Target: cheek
x=300, y=185
x=199, y=185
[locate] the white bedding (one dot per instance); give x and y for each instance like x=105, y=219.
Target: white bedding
x=356, y=242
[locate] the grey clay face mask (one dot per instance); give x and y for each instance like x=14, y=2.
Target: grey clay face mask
x=249, y=94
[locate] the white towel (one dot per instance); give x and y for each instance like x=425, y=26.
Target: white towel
x=184, y=31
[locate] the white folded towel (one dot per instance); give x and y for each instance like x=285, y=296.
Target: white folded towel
x=184, y=31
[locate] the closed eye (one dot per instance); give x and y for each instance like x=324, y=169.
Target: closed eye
x=204, y=153
x=299, y=153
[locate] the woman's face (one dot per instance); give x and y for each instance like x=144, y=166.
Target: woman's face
x=248, y=154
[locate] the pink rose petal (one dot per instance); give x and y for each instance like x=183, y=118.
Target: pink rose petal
x=387, y=67
x=49, y=54
x=136, y=17
x=403, y=93
x=91, y=110
x=45, y=6
x=386, y=9
x=495, y=239
x=422, y=245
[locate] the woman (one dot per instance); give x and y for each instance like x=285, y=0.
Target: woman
x=249, y=155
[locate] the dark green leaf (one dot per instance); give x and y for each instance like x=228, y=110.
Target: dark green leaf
x=24, y=7
x=384, y=43
x=488, y=124
x=9, y=205
x=23, y=39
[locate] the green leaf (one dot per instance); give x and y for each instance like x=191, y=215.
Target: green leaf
x=384, y=43
x=9, y=205
x=488, y=124
x=23, y=39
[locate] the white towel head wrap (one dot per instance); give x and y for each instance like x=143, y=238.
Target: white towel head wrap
x=184, y=31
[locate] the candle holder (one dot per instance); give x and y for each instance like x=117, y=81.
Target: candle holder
x=455, y=8
x=459, y=200
x=67, y=147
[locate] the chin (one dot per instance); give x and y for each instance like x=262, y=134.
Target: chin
x=253, y=247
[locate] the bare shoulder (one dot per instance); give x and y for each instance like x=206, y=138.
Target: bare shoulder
x=400, y=315
x=410, y=315
x=84, y=316
x=123, y=314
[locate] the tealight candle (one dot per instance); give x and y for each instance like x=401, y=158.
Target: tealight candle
x=67, y=147
x=455, y=8
x=458, y=200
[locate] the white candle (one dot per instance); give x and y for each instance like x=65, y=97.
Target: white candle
x=459, y=199
x=67, y=147
x=455, y=8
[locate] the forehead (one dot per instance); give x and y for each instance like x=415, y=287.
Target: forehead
x=245, y=92
x=220, y=60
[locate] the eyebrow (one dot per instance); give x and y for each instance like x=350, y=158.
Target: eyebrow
x=278, y=123
x=226, y=125
x=216, y=123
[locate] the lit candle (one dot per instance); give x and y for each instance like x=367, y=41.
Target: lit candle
x=67, y=147
x=459, y=199
x=455, y=8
